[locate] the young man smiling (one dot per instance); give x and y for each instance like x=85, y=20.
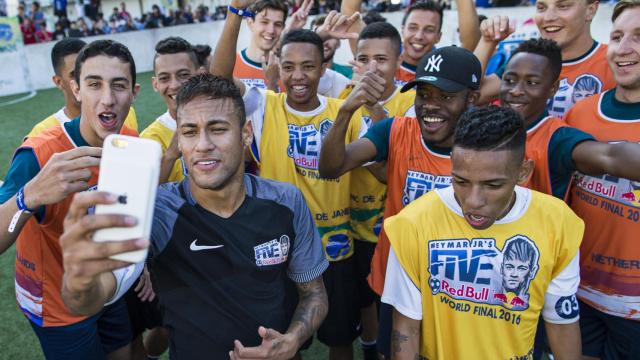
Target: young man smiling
x=422, y=30
x=266, y=20
x=487, y=223
x=63, y=60
x=416, y=149
x=225, y=244
x=610, y=318
x=175, y=62
x=46, y=171
x=288, y=132
x=568, y=23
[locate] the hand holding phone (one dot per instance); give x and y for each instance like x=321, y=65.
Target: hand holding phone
x=129, y=169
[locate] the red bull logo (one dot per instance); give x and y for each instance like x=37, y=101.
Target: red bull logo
x=500, y=297
x=628, y=196
x=517, y=301
x=597, y=186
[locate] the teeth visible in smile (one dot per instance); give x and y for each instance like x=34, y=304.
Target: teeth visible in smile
x=172, y=97
x=552, y=28
x=418, y=46
x=429, y=119
x=108, y=116
x=626, y=63
x=206, y=162
x=299, y=87
x=268, y=38
x=476, y=217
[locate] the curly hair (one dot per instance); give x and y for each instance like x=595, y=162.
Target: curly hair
x=543, y=47
x=491, y=128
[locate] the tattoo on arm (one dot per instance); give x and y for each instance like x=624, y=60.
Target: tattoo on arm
x=397, y=339
x=311, y=310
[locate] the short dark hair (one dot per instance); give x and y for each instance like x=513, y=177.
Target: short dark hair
x=382, y=30
x=623, y=5
x=64, y=47
x=212, y=87
x=373, y=16
x=543, y=47
x=108, y=48
x=426, y=5
x=277, y=5
x=202, y=53
x=303, y=36
x=36, y=4
x=175, y=45
x=491, y=128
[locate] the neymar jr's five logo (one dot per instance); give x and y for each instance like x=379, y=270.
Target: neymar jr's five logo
x=476, y=270
x=419, y=183
x=305, y=142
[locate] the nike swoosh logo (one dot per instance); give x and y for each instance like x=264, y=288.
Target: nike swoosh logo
x=195, y=247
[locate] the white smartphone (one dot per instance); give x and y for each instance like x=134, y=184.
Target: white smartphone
x=130, y=169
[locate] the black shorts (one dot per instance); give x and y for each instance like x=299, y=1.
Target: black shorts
x=608, y=337
x=340, y=328
x=363, y=253
x=142, y=315
x=385, y=325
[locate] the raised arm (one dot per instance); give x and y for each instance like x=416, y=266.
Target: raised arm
x=224, y=56
x=336, y=158
x=348, y=8
x=493, y=31
x=88, y=282
x=598, y=158
x=468, y=24
x=405, y=337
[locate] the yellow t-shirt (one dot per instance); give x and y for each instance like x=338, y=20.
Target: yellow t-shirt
x=287, y=147
x=367, y=193
x=60, y=118
x=482, y=291
x=162, y=130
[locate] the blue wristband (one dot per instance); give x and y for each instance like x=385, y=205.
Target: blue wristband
x=241, y=12
x=20, y=201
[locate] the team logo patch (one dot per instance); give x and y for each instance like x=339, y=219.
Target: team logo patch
x=272, y=252
x=305, y=142
x=433, y=63
x=567, y=307
x=476, y=270
x=419, y=183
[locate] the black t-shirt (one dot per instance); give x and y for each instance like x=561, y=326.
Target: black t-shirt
x=219, y=279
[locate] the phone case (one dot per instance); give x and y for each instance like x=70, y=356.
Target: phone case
x=130, y=169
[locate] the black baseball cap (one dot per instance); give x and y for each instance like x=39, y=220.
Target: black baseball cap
x=448, y=68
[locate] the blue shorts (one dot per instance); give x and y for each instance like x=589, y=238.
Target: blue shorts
x=92, y=338
x=608, y=337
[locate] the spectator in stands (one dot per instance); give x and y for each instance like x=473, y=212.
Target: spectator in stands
x=28, y=31
x=83, y=28
x=124, y=14
x=99, y=28
x=59, y=33
x=115, y=14
x=91, y=10
x=21, y=14
x=37, y=17
x=202, y=13
x=188, y=14
x=64, y=22
x=156, y=18
x=60, y=8
x=203, y=53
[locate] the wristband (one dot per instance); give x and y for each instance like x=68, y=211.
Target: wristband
x=20, y=202
x=241, y=12
x=22, y=208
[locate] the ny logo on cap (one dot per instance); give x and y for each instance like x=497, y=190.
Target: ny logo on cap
x=433, y=64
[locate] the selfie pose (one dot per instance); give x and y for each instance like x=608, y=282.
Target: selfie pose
x=236, y=260
x=45, y=173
